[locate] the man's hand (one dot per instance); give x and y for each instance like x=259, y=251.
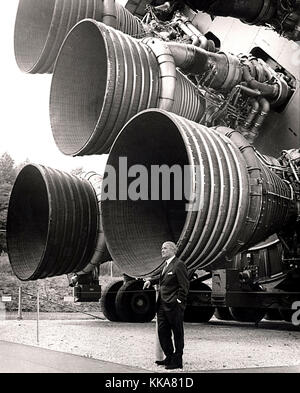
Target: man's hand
x=147, y=284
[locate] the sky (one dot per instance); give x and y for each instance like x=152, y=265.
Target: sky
x=25, y=131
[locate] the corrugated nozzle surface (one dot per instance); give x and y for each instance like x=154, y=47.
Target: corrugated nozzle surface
x=52, y=223
x=212, y=196
x=102, y=78
x=42, y=25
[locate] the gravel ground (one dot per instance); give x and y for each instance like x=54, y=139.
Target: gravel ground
x=210, y=346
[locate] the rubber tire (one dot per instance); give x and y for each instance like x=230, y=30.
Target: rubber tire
x=223, y=314
x=286, y=314
x=196, y=313
x=108, y=299
x=243, y=314
x=273, y=314
x=133, y=304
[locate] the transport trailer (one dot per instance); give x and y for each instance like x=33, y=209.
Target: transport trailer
x=256, y=286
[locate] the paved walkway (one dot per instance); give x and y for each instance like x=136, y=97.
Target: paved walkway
x=19, y=358
x=258, y=370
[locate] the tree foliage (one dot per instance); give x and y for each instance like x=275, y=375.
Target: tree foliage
x=20, y=166
x=7, y=169
x=5, y=190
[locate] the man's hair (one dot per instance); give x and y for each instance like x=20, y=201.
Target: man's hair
x=172, y=245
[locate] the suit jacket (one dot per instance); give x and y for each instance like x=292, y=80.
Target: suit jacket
x=173, y=284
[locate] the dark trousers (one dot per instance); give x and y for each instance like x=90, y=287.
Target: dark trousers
x=170, y=320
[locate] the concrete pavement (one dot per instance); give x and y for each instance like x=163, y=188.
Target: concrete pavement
x=258, y=370
x=19, y=358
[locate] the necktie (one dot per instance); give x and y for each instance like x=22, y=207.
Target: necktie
x=165, y=268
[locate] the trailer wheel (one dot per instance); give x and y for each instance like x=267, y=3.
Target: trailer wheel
x=286, y=314
x=244, y=314
x=194, y=312
x=223, y=314
x=133, y=304
x=108, y=298
x=273, y=314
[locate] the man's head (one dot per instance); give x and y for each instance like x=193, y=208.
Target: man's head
x=168, y=250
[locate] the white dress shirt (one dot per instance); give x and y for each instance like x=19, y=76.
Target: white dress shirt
x=169, y=260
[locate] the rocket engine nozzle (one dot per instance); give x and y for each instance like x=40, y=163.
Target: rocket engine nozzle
x=103, y=77
x=42, y=25
x=53, y=224
x=222, y=198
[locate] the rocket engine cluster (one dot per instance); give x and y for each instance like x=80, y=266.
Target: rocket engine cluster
x=159, y=91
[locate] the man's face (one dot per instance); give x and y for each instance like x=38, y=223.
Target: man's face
x=167, y=251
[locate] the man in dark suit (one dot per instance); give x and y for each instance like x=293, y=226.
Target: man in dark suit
x=173, y=291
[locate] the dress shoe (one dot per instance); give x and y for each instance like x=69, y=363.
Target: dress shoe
x=173, y=366
x=175, y=363
x=164, y=362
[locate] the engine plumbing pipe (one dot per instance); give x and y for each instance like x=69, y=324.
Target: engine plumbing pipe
x=190, y=30
x=260, y=108
x=267, y=90
x=101, y=253
x=42, y=25
x=54, y=224
x=109, y=13
x=232, y=200
x=103, y=77
x=198, y=61
x=230, y=70
x=264, y=109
